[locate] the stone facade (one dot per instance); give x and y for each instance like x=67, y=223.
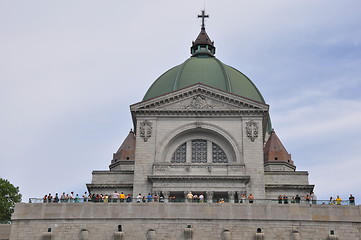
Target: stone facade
x=90, y=221
x=230, y=127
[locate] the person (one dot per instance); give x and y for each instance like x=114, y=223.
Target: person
x=155, y=198
x=221, y=200
x=115, y=196
x=307, y=198
x=122, y=197
x=285, y=199
x=45, y=199
x=71, y=197
x=50, y=198
x=161, y=197
x=56, y=198
x=280, y=199
x=313, y=198
x=149, y=197
x=297, y=199
x=62, y=197
x=129, y=198
x=106, y=198
x=195, y=198
x=139, y=198
x=243, y=198
x=351, y=199
x=338, y=200
x=143, y=199
x=250, y=198
x=332, y=202
x=76, y=198
x=190, y=197
x=94, y=198
x=85, y=197
x=201, y=198
x=97, y=198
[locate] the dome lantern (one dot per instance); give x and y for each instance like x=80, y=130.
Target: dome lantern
x=203, y=44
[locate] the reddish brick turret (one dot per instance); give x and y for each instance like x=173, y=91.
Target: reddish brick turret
x=276, y=157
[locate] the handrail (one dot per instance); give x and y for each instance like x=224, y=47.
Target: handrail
x=182, y=200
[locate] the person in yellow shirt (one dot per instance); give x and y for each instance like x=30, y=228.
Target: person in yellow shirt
x=122, y=197
x=338, y=200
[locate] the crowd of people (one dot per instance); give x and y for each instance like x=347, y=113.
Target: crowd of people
x=312, y=199
x=190, y=197
x=115, y=197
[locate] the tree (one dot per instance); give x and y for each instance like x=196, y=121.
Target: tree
x=9, y=195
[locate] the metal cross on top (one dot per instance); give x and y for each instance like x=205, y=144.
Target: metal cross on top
x=203, y=16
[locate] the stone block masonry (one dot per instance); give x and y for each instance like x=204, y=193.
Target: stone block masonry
x=184, y=221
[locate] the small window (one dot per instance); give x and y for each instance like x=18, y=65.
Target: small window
x=276, y=158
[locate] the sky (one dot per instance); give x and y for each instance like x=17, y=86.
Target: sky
x=70, y=69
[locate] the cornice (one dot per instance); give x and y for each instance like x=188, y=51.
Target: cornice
x=286, y=173
x=154, y=178
x=241, y=103
x=289, y=186
x=113, y=172
x=122, y=185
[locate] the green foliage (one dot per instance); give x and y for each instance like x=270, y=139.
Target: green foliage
x=9, y=195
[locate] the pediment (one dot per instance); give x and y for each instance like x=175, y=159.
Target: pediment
x=199, y=98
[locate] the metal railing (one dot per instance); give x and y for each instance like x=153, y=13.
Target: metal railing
x=182, y=200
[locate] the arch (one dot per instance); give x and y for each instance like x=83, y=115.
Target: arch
x=199, y=130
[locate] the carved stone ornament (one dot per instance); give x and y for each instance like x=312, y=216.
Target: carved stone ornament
x=252, y=130
x=146, y=129
x=199, y=102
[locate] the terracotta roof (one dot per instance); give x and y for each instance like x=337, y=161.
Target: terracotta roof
x=203, y=39
x=127, y=150
x=274, y=151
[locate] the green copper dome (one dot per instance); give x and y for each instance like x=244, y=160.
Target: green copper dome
x=203, y=67
x=208, y=70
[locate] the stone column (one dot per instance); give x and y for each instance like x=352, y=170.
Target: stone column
x=231, y=196
x=209, y=196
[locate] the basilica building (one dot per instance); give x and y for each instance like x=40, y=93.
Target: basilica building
x=202, y=127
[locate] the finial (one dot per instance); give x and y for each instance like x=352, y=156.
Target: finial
x=203, y=16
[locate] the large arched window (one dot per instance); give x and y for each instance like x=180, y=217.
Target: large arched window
x=199, y=151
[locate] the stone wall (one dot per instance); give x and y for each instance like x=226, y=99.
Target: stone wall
x=5, y=231
x=184, y=221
